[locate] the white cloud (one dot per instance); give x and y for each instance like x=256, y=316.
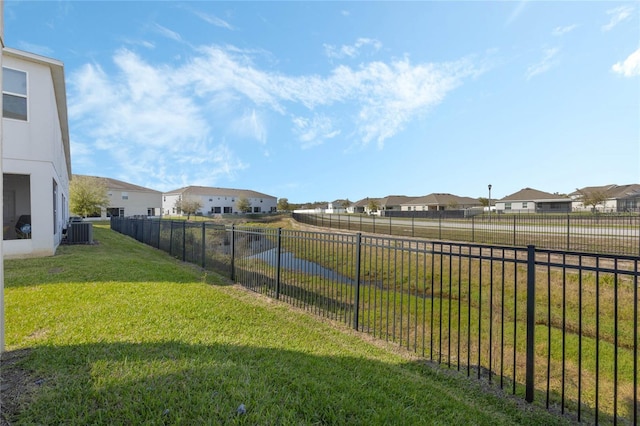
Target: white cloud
x=250, y=125
x=630, y=67
x=168, y=120
x=315, y=130
x=214, y=20
x=144, y=43
x=351, y=50
x=144, y=120
x=547, y=62
x=560, y=31
x=516, y=12
x=166, y=32
x=618, y=15
x=387, y=96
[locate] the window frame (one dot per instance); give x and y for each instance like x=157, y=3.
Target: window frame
x=24, y=96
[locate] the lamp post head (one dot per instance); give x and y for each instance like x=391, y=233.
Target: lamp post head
x=489, y=187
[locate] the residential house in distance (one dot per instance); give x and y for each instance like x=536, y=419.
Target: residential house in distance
x=337, y=206
x=127, y=199
x=392, y=203
x=218, y=200
x=362, y=206
x=35, y=154
x=440, y=202
x=530, y=200
x=615, y=198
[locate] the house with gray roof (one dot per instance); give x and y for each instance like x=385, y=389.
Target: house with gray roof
x=615, y=198
x=530, y=200
x=392, y=203
x=440, y=202
x=218, y=200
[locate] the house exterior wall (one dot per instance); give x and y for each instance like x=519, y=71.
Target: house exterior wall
x=608, y=206
x=516, y=206
x=35, y=148
x=134, y=203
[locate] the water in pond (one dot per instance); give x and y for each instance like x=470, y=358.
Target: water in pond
x=289, y=261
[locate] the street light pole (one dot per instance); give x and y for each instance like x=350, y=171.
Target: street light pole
x=489, y=202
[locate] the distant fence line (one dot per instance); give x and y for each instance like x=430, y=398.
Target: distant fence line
x=557, y=328
x=594, y=233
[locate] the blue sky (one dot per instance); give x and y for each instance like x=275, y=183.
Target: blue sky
x=319, y=101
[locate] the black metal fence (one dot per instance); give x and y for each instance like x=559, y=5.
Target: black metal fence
x=594, y=233
x=557, y=328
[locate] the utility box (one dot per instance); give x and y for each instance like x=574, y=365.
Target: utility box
x=80, y=233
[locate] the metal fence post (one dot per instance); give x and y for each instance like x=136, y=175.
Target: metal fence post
x=356, y=302
x=514, y=230
x=568, y=232
x=171, y=239
x=278, y=253
x=184, y=241
x=531, y=322
x=473, y=229
x=233, y=252
x=412, y=226
x=204, y=247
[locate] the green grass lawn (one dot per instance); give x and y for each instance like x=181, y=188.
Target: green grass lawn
x=120, y=333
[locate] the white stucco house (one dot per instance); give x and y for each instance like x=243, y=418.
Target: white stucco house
x=127, y=199
x=36, y=160
x=218, y=200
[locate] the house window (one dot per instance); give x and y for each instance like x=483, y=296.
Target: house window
x=16, y=197
x=217, y=210
x=507, y=206
x=125, y=195
x=14, y=94
x=228, y=210
x=524, y=205
x=256, y=209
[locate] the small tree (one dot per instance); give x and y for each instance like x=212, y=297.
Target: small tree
x=592, y=198
x=87, y=195
x=484, y=202
x=372, y=206
x=283, y=204
x=346, y=203
x=244, y=205
x=188, y=204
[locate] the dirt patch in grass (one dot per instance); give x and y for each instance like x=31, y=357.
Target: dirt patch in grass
x=16, y=384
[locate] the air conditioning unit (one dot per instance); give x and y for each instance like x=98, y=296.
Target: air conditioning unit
x=80, y=233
